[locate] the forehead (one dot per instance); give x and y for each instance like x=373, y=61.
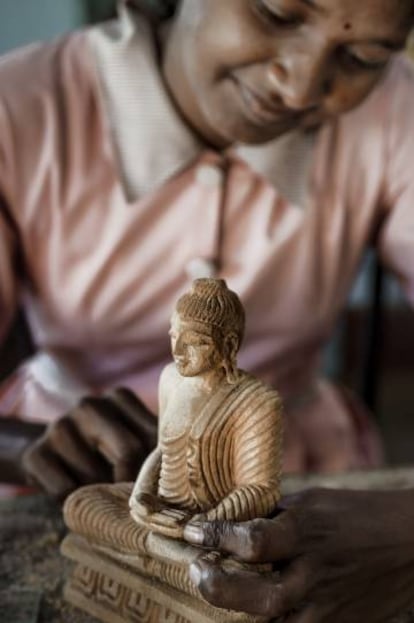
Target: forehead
x=380, y=17
x=178, y=324
x=369, y=19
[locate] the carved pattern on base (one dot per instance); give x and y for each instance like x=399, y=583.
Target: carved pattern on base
x=130, y=605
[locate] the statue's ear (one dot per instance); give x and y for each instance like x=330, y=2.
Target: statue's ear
x=231, y=345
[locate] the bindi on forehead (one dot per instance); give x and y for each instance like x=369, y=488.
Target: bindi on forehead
x=347, y=26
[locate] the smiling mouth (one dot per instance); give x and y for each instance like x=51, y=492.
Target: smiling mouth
x=261, y=111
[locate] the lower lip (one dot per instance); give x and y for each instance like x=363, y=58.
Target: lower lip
x=257, y=112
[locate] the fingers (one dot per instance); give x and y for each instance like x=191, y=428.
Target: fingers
x=260, y=540
x=99, y=427
x=136, y=414
x=267, y=595
x=236, y=590
x=245, y=591
x=97, y=441
x=45, y=468
x=298, y=580
x=65, y=441
x=126, y=470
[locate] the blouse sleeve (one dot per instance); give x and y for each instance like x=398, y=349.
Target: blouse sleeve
x=7, y=276
x=396, y=237
x=8, y=242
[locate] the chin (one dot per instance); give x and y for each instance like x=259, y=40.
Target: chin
x=186, y=371
x=225, y=123
x=241, y=132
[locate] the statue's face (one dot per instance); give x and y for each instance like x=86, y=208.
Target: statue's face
x=193, y=347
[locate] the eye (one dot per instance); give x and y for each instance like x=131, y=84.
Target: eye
x=200, y=343
x=354, y=61
x=274, y=17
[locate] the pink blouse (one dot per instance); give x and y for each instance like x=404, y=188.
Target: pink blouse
x=110, y=206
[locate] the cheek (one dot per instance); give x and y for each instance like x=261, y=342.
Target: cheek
x=195, y=356
x=348, y=93
x=205, y=358
x=223, y=39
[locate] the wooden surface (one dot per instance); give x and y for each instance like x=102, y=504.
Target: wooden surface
x=32, y=571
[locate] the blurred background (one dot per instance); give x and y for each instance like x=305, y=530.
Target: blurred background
x=25, y=21
x=372, y=350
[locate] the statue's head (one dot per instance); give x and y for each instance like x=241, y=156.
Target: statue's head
x=207, y=329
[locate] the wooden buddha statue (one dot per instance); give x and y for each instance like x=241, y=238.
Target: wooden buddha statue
x=219, y=441
x=218, y=457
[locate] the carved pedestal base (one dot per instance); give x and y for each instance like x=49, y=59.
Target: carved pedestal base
x=114, y=593
x=125, y=574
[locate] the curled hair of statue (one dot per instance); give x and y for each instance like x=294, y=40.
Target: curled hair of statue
x=211, y=302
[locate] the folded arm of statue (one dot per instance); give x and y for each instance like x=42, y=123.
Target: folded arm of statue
x=144, y=500
x=146, y=506
x=243, y=504
x=255, y=460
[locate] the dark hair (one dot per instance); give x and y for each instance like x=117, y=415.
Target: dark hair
x=160, y=9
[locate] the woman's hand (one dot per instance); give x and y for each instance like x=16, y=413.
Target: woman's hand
x=343, y=557
x=102, y=439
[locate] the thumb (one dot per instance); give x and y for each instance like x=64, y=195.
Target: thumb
x=212, y=534
x=259, y=540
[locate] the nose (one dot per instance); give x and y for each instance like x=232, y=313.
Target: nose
x=301, y=79
x=176, y=346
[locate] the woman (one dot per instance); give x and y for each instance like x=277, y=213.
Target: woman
x=267, y=142
x=263, y=141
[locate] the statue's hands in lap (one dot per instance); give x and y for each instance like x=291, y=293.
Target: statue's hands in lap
x=148, y=508
x=145, y=504
x=103, y=439
x=343, y=556
x=198, y=518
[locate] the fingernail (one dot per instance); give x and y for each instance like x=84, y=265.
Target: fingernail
x=194, y=534
x=195, y=574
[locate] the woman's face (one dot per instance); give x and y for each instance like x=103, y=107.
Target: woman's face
x=250, y=70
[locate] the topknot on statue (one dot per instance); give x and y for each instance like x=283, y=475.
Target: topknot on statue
x=212, y=303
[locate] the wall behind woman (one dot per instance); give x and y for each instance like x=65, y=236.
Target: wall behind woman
x=25, y=21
